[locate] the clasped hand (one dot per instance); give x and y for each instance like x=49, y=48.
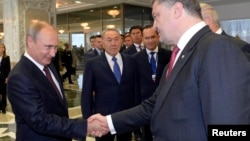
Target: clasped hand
x=97, y=125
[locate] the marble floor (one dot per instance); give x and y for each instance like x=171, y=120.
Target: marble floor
x=72, y=92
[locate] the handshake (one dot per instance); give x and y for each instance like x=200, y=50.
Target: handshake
x=97, y=125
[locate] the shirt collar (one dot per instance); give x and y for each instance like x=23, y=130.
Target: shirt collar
x=32, y=60
x=185, y=38
x=219, y=31
x=117, y=56
x=137, y=45
x=155, y=50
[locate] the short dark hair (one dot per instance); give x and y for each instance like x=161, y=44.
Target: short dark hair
x=135, y=27
x=147, y=27
x=98, y=36
x=92, y=37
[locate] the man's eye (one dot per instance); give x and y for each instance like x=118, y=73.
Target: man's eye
x=50, y=46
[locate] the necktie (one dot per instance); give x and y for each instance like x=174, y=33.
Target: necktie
x=172, y=59
x=116, y=70
x=153, y=62
x=153, y=65
x=140, y=48
x=48, y=75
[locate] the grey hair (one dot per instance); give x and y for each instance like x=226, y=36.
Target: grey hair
x=109, y=29
x=35, y=27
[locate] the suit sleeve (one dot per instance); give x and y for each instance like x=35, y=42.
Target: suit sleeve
x=26, y=102
x=138, y=116
x=135, y=117
x=224, y=85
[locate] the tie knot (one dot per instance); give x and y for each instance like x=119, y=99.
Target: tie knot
x=175, y=49
x=152, y=53
x=114, y=59
x=45, y=68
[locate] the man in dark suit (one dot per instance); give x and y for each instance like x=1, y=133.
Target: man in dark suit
x=123, y=46
x=208, y=83
x=92, y=43
x=38, y=102
x=97, y=50
x=211, y=18
x=150, y=69
x=102, y=91
x=128, y=40
x=136, y=35
x=67, y=61
x=137, y=46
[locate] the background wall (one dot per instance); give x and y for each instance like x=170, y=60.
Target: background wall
x=234, y=11
x=235, y=19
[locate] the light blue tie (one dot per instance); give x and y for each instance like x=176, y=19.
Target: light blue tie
x=116, y=70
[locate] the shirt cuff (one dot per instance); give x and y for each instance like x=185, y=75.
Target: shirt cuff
x=110, y=124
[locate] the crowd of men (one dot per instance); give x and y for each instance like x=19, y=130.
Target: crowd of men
x=141, y=61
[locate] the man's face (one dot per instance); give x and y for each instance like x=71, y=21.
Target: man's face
x=136, y=36
x=98, y=42
x=150, y=38
x=164, y=22
x=111, y=42
x=92, y=42
x=128, y=41
x=44, y=47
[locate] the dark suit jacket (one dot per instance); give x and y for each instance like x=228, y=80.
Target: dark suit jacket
x=244, y=46
x=91, y=49
x=67, y=58
x=4, y=72
x=91, y=54
x=109, y=96
x=39, y=112
x=147, y=85
x=123, y=48
x=208, y=85
x=130, y=50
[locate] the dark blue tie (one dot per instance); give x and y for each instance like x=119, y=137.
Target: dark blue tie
x=153, y=63
x=116, y=69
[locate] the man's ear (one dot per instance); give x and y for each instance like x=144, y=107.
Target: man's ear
x=29, y=41
x=177, y=9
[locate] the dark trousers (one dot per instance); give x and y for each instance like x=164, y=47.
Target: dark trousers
x=146, y=133
x=3, y=103
x=122, y=137
x=68, y=73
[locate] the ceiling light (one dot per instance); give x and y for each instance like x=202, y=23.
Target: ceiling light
x=61, y=31
x=110, y=26
x=84, y=24
x=86, y=27
x=77, y=1
x=113, y=12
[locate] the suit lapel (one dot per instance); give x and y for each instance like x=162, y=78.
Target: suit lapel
x=37, y=72
x=53, y=70
x=183, y=58
x=103, y=62
x=146, y=61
